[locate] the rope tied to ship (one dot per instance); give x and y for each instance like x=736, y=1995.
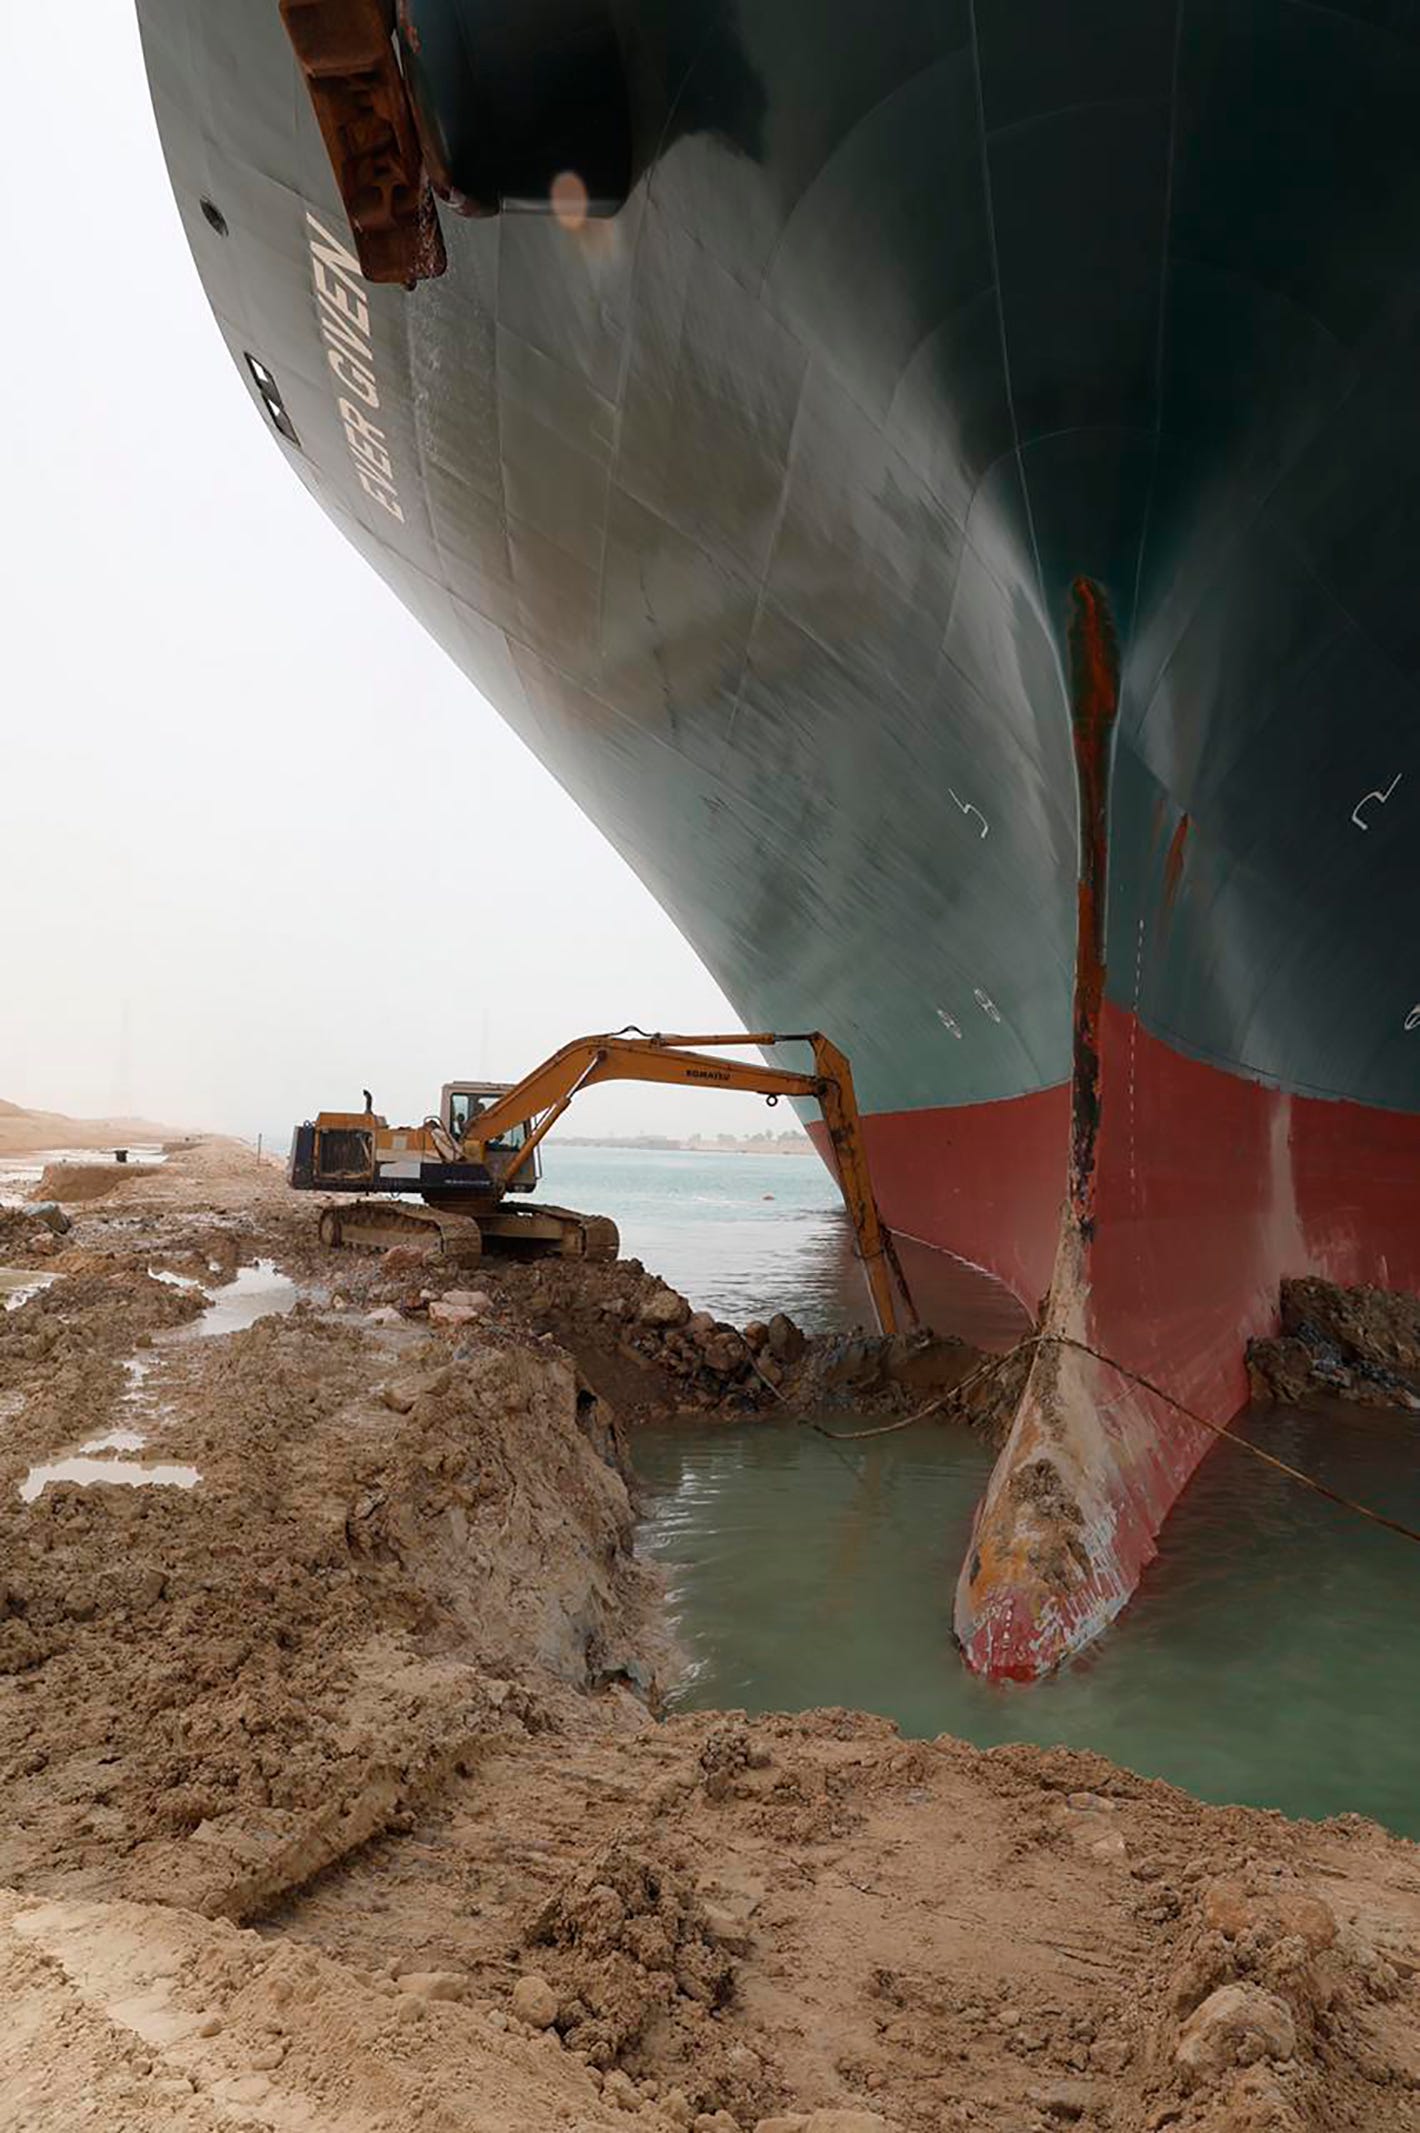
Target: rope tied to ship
x=1218, y=1429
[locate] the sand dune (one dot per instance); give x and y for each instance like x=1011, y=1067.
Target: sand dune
x=22, y=1130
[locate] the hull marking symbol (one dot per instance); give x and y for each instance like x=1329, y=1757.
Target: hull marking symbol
x=968, y=808
x=1357, y=812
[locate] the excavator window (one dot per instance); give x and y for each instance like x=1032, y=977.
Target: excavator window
x=464, y=1108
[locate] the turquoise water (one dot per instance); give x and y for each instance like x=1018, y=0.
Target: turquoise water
x=741, y=1235
x=747, y=1235
x=1269, y=1658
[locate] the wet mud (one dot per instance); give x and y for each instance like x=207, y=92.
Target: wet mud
x=336, y=1793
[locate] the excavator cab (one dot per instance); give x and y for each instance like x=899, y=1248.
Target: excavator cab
x=462, y=1104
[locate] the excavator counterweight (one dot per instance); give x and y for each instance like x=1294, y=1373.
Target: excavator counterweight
x=484, y=1146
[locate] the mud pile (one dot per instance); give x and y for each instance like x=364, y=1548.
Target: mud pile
x=646, y=1350
x=1361, y=1345
x=335, y=1796
x=29, y=1235
x=269, y=1667
x=1280, y=2006
x=637, y=1341
x=68, y=1182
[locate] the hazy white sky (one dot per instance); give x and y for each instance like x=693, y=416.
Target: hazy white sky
x=187, y=642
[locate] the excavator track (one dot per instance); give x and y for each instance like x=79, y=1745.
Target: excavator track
x=386, y=1225
x=603, y=1239
x=600, y=1237
x=536, y=1231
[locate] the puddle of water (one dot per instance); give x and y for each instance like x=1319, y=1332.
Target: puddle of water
x=114, y=1440
x=129, y=1473
x=135, y=1369
x=1266, y=1658
x=19, y=1283
x=175, y=1281
x=254, y=1292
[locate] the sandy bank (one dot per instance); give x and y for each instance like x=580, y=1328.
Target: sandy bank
x=334, y=1798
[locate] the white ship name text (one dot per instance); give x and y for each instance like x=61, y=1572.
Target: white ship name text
x=345, y=325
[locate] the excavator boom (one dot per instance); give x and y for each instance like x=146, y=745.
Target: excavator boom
x=540, y=1099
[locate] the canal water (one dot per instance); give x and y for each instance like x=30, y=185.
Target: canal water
x=741, y=1235
x=1271, y=1656
x=747, y=1235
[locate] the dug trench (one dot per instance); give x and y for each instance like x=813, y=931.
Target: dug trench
x=336, y=1795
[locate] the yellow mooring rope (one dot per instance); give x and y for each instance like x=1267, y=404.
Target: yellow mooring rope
x=1063, y=1340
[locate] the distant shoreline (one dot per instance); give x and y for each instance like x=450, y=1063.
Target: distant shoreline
x=31, y=1132
x=656, y=1144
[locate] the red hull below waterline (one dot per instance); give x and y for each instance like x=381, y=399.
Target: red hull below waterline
x=1210, y=1188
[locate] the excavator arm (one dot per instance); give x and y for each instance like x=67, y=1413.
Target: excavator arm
x=540, y=1099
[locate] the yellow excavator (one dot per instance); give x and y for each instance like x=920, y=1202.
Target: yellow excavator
x=483, y=1147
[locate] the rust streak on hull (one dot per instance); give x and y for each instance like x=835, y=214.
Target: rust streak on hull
x=1094, y=707
x=1042, y=1577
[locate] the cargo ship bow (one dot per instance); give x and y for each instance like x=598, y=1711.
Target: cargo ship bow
x=937, y=483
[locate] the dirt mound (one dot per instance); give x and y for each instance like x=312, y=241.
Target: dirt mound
x=30, y=1233
x=643, y=1350
x=265, y=1647
x=61, y=1374
x=1279, y=2017
x=1360, y=1345
x=202, y=1175
x=640, y=1345
x=127, y=2016
x=630, y=1947
x=71, y=1182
